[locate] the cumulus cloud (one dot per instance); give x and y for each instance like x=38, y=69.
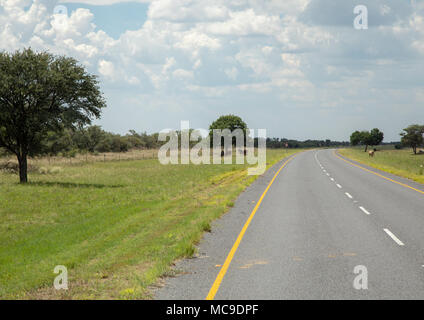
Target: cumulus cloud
x=302, y=53
x=102, y=2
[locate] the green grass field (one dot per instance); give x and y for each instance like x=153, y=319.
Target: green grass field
x=117, y=226
x=400, y=162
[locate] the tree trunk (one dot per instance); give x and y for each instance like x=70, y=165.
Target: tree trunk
x=23, y=168
x=415, y=150
x=366, y=148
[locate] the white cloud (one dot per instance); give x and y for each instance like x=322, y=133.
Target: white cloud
x=232, y=73
x=107, y=69
x=183, y=74
x=75, y=26
x=102, y=2
x=247, y=22
x=193, y=41
x=187, y=10
x=191, y=49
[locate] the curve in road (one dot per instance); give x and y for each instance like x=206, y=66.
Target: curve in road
x=326, y=229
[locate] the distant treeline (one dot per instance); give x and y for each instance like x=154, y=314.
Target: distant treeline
x=93, y=139
x=275, y=143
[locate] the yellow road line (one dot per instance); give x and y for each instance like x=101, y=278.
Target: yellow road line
x=223, y=271
x=377, y=174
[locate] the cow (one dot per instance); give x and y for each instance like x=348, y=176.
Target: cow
x=371, y=153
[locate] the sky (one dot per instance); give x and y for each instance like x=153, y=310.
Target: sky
x=297, y=68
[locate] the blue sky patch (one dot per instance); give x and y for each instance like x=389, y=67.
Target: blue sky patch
x=117, y=18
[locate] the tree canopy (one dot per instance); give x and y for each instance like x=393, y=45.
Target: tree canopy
x=413, y=136
x=356, y=138
x=42, y=93
x=367, y=138
x=230, y=122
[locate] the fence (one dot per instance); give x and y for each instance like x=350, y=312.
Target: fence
x=88, y=158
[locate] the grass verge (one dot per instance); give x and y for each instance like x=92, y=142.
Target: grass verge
x=116, y=226
x=399, y=162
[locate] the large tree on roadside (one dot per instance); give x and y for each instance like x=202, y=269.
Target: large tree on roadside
x=40, y=93
x=413, y=136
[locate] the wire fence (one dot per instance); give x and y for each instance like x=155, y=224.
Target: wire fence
x=86, y=158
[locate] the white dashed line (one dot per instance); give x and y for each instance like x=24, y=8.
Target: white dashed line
x=339, y=186
x=332, y=179
x=364, y=210
x=348, y=195
x=328, y=174
x=395, y=239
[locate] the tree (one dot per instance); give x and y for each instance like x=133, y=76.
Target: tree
x=41, y=93
x=377, y=137
x=413, y=136
x=355, y=138
x=89, y=138
x=56, y=142
x=366, y=138
x=230, y=122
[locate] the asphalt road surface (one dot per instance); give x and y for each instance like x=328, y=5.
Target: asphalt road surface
x=325, y=229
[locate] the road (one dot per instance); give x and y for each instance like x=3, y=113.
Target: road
x=322, y=219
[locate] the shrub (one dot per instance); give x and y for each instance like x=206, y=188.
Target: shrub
x=53, y=170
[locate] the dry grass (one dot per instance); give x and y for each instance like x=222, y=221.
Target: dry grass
x=46, y=161
x=400, y=162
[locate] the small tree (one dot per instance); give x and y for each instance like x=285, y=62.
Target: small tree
x=366, y=138
x=413, y=136
x=89, y=138
x=40, y=93
x=375, y=137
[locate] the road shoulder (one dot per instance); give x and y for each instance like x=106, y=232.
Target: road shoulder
x=195, y=276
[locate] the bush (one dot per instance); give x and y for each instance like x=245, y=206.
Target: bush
x=53, y=170
x=94, y=139
x=3, y=152
x=71, y=153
